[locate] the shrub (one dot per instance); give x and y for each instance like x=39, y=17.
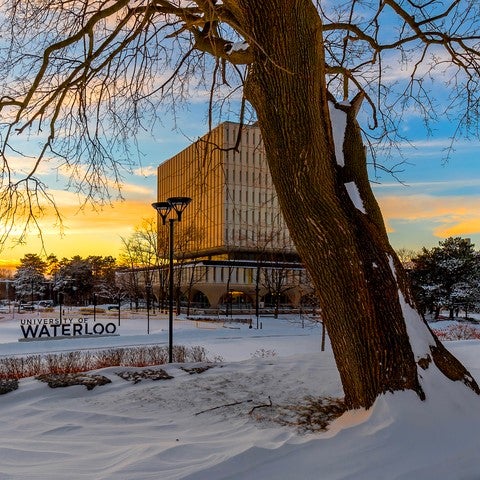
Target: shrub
x=91, y=310
x=458, y=332
x=197, y=354
x=82, y=361
x=262, y=353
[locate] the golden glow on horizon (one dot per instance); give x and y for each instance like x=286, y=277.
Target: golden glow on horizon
x=86, y=232
x=453, y=216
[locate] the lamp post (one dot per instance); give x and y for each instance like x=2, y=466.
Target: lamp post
x=148, y=289
x=178, y=205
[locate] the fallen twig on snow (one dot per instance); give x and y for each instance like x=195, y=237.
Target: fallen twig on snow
x=261, y=406
x=226, y=405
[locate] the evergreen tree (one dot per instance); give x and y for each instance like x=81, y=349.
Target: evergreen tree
x=75, y=280
x=447, y=276
x=103, y=271
x=29, y=279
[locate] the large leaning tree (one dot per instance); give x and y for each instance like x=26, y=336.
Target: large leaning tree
x=83, y=76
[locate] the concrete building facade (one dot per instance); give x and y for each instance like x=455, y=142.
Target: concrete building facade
x=232, y=245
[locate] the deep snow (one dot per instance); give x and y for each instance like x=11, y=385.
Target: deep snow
x=171, y=429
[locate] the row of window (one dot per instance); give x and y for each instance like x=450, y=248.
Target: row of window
x=249, y=178
x=244, y=275
x=261, y=218
x=250, y=135
x=254, y=196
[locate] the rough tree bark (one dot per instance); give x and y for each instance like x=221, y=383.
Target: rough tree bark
x=344, y=245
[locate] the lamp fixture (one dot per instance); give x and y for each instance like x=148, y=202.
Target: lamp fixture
x=178, y=204
x=163, y=209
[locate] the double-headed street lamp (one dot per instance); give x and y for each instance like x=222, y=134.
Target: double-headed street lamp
x=178, y=205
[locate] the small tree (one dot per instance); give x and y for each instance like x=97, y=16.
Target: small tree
x=144, y=255
x=186, y=272
x=129, y=280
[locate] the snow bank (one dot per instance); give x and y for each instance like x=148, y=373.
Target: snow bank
x=198, y=426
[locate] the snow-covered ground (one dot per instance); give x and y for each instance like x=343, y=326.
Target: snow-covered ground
x=204, y=425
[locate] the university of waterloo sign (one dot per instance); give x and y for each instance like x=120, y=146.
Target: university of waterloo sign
x=51, y=328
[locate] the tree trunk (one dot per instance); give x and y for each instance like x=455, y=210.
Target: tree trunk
x=330, y=210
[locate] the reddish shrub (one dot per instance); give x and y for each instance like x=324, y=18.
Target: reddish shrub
x=82, y=361
x=459, y=331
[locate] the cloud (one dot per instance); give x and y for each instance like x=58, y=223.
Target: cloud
x=437, y=63
x=139, y=190
x=439, y=144
x=116, y=219
x=23, y=165
x=126, y=188
x=147, y=171
x=450, y=216
x=466, y=227
x=430, y=186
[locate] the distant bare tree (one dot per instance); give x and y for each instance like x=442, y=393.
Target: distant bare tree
x=144, y=256
x=186, y=262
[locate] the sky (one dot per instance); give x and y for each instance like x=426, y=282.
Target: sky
x=99, y=230
x=437, y=199
x=427, y=201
